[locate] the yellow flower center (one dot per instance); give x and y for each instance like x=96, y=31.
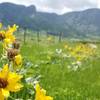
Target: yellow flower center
x=3, y=83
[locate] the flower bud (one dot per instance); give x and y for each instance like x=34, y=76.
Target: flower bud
x=11, y=53
x=16, y=44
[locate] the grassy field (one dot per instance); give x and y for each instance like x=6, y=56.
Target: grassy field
x=54, y=75
x=48, y=63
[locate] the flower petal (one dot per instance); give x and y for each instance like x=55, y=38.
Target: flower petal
x=14, y=87
x=4, y=72
x=5, y=93
x=1, y=96
x=13, y=77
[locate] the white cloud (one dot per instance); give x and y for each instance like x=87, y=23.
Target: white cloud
x=98, y=2
x=58, y=6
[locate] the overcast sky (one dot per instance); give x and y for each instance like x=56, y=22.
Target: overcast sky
x=58, y=6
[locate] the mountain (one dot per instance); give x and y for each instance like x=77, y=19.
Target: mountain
x=75, y=24
x=85, y=22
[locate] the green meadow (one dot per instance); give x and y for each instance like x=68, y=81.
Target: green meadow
x=50, y=67
x=53, y=73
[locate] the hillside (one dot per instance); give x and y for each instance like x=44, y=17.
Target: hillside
x=84, y=23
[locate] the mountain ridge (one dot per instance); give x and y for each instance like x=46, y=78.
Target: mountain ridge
x=78, y=23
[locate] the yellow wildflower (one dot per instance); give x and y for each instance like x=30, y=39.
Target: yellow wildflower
x=65, y=46
x=9, y=82
x=18, y=59
x=9, y=33
x=41, y=94
x=12, y=29
x=49, y=38
x=10, y=36
x=6, y=43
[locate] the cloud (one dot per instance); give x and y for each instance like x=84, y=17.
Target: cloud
x=59, y=6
